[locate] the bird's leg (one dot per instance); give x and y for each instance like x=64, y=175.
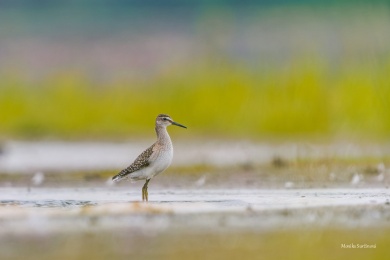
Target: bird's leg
x=145, y=191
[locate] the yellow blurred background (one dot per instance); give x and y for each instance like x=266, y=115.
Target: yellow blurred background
x=228, y=69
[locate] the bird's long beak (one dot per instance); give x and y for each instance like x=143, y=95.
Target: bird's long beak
x=174, y=123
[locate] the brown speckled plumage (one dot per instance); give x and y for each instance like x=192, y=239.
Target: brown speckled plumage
x=140, y=162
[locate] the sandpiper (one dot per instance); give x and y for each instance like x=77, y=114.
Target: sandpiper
x=153, y=160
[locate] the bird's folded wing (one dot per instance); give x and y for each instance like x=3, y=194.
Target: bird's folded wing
x=140, y=162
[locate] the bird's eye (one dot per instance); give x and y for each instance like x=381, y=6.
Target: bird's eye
x=165, y=119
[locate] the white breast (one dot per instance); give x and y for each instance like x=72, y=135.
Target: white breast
x=163, y=160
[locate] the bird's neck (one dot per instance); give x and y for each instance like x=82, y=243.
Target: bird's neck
x=162, y=135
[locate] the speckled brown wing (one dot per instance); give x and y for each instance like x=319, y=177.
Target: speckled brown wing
x=140, y=162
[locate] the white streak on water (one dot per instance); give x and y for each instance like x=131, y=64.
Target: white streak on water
x=30, y=157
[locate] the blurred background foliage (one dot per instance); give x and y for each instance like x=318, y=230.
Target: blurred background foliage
x=231, y=69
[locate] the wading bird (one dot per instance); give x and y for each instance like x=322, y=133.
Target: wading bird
x=153, y=160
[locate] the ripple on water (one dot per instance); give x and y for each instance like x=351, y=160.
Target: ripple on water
x=47, y=203
x=219, y=202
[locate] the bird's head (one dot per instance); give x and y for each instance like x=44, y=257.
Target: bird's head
x=165, y=120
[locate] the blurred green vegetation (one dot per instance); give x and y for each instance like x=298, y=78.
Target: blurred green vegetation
x=212, y=97
x=283, y=70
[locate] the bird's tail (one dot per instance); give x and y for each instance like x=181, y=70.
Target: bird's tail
x=120, y=176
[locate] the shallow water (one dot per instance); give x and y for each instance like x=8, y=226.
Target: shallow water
x=113, y=201
x=112, y=223
x=260, y=198
x=46, y=203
